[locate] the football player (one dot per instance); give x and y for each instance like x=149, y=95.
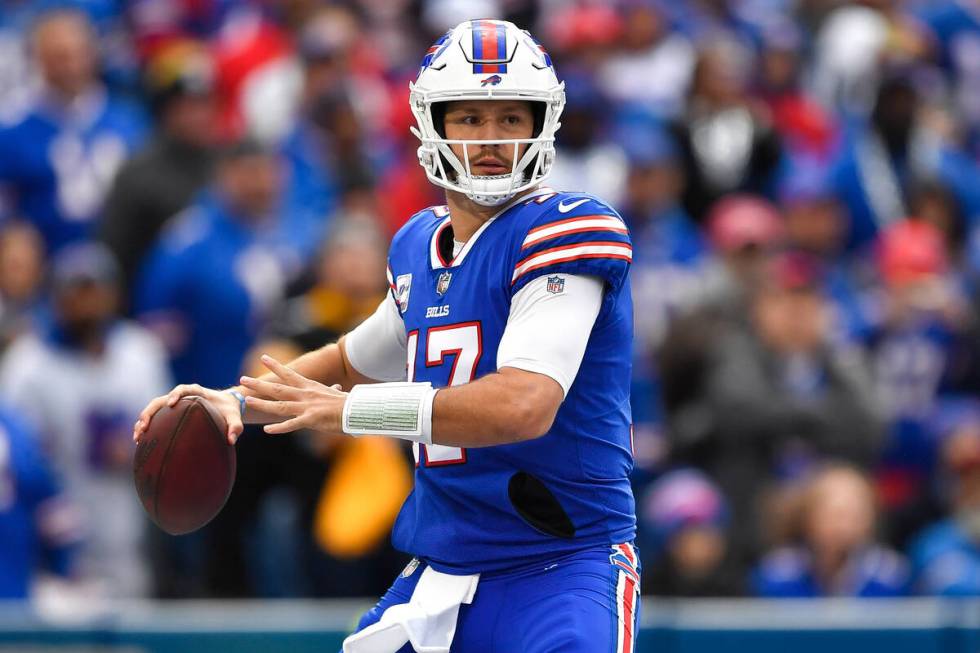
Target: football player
x=502, y=352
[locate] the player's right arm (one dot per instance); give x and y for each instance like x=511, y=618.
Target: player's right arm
x=378, y=349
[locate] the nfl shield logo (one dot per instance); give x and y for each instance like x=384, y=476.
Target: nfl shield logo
x=442, y=285
x=556, y=284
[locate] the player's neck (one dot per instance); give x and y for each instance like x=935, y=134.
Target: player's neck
x=466, y=216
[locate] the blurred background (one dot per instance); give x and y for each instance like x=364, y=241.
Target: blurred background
x=187, y=183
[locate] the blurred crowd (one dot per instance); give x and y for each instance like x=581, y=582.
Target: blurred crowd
x=185, y=184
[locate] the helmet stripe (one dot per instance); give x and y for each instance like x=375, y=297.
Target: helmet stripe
x=489, y=45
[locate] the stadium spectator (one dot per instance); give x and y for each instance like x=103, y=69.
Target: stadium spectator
x=669, y=265
x=953, y=30
x=683, y=520
x=946, y=556
x=58, y=159
x=922, y=344
x=727, y=142
x=219, y=268
x=816, y=223
x=806, y=129
x=652, y=65
x=585, y=158
x=835, y=553
x=39, y=528
x=78, y=381
x=346, y=289
x=343, y=494
x=772, y=397
x=165, y=175
x=890, y=152
x=22, y=268
x=744, y=231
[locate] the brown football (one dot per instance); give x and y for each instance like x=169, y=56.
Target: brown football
x=184, y=467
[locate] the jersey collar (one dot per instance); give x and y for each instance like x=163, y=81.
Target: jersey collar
x=436, y=260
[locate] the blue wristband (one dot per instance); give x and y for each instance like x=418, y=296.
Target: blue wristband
x=241, y=401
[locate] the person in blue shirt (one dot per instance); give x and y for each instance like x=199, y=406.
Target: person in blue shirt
x=835, y=553
x=887, y=153
x=218, y=269
x=37, y=526
x=58, y=160
x=502, y=351
x=946, y=555
x=671, y=260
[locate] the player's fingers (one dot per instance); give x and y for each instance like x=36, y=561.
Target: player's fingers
x=235, y=428
x=270, y=407
x=290, y=376
x=287, y=426
x=269, y=389
x=143, y=421
x=184, y=390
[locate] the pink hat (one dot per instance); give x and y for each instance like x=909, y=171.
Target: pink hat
x=737, y=221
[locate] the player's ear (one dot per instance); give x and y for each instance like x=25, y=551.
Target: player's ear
x=538, y=506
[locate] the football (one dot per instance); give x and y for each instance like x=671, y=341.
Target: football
x=184, y=468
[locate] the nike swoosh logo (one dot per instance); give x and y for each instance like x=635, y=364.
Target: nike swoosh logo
x=565, y=208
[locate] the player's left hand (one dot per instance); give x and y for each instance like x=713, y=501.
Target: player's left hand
x=299, y=402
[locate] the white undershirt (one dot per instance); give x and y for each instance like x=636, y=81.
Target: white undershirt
x=546, y=332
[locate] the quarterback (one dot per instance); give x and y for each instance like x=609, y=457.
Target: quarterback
x=502, y=352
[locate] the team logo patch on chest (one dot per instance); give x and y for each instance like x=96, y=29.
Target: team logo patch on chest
x=442, y=284
x=403, y=287
x=555, y=285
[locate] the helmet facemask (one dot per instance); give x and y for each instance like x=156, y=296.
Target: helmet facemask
x=444, y=168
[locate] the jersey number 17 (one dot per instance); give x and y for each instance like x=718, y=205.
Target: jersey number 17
x=464, y=342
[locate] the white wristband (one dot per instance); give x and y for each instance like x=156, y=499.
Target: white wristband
x=398, y=410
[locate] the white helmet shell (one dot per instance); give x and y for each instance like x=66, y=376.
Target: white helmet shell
x=486, y=60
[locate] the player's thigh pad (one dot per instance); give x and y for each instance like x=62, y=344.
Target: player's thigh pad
x=588, y=603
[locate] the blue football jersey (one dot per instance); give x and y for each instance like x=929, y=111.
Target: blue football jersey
x=490, y=508
x=57, y=169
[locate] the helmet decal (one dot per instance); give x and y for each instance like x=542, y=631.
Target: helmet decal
x=436, y=50
x=545, y=57
x=489, y=46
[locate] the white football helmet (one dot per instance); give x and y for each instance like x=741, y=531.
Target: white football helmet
x=486, y=60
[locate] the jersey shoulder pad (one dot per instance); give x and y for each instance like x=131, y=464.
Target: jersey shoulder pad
x=574, y=233
x=419, y=223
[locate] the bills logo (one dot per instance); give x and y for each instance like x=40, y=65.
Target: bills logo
x=492, y=80
x=624, y=557
x=442, y=285
x=403, y=287
x=556, y=285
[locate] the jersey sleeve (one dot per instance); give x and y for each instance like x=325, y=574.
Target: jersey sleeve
x=576, y=235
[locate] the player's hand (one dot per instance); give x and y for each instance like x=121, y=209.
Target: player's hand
x=224, y=402
x=296, y=401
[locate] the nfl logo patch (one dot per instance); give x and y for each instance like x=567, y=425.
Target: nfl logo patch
x=556, y=284
x=442, y=285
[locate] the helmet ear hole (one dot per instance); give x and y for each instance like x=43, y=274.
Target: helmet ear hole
x=438, y=111
x=538, y=111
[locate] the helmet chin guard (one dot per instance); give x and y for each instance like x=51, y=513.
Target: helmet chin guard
x=486, y=60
